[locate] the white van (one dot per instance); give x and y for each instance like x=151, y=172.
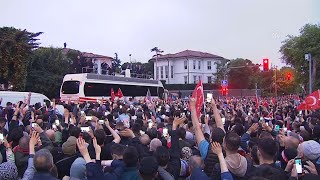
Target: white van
x=14, y=97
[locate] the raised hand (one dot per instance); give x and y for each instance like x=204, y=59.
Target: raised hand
x=82, y=146
x=216, y=148
x=96, y=146
x=311, y=167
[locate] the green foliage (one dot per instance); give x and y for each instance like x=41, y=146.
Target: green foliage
x=16, y=46
x=294, y=48
x=46, y=69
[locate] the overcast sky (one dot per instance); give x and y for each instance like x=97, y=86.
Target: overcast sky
x=251, y=29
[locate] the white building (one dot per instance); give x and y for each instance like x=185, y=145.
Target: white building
x=186, y=67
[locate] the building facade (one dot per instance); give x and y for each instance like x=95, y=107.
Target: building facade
x=186, y=67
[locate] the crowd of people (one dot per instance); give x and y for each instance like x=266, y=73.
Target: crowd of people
x=128, y=139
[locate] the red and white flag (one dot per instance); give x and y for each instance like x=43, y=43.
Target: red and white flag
x=199, y=96
x=113, y=96
x=311, y=102
x=119, y=93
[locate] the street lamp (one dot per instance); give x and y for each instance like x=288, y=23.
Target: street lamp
x=308, y=58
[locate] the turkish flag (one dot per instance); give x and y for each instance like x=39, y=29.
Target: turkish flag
x=311, y=102
x=199, y=96
x=112, y=94
x=119, y=94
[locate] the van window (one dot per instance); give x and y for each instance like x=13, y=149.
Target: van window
x=70, y=87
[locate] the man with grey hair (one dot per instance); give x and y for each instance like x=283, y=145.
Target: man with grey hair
x=196, y=165
x=43, y=163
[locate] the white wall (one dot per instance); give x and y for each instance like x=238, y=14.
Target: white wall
x=179, y=72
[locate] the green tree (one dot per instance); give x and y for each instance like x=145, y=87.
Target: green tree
x=16, y=46
x=294, y=48
x=242, y=74
x=46, y=69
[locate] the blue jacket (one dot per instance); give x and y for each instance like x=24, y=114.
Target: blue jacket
x=130, y=173
x=94, y=170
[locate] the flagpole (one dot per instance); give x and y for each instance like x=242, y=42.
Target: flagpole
x=204, y=104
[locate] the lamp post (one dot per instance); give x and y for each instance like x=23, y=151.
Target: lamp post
x=308, y=58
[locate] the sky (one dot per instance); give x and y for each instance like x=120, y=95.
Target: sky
x=251, y=29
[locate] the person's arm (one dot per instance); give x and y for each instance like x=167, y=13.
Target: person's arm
x=9, y=153
x=46, y=142
x=246, y=136
x=83, y=150
x=116, y=137
x=164, y=174
x=216, y=114
x=28, y=174
x=174, y=150
x=206, y=125
x=195, y=121
x=225, y=174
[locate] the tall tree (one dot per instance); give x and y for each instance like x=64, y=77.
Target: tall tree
x=294, y=48
x=16, y=46
x=46, y=69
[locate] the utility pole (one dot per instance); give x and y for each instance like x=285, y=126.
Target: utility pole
x=308, y=58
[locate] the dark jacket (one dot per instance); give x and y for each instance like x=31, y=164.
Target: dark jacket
x=43, y=176
x=269, y=171
x=64, y=165
x=130, y=173
x=198, y=174
x=174, y=164
x=94, y=170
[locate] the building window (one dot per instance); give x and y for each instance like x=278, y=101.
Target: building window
x=209, y=65
x=166, y=68
x=157, y=72
x=185, y=64
x=171, y=71
x=209, y=79
x=199, y=65
x=194, y=64
x=194, y=79
x=161, y=72
x=186, y=79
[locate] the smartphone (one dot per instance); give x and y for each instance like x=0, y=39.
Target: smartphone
x=54, y=126
x=101, y=121
x=120, y=106
x=82, y=112
x=163, y=116
x=261, y=120
x=34, y=124
x=223, y=120
x=285, y=129
x=88, y=118
x=165, y=132
x=106, y=113
x=267, y=123
x=57, y=122
x=1, y=137
x=277, y=128
x=142, y=132
x=249, y=114
x=150, y=124
x=298, y=163
x=84, y=129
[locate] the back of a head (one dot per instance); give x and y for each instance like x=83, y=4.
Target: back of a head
x=148, y=168
x=232, y=141
x=130, y=156
x=182, y=133
x=43, y=160
x=100, y=136
x=117, y=149
x=162, y=155
x=75, y=131
x=268, y=148
x=196, y=162
x=24, y=142
x=217, y=135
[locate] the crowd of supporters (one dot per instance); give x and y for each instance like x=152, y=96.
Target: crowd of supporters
x=129, y=139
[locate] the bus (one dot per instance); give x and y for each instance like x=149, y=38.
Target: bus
x=90, y=87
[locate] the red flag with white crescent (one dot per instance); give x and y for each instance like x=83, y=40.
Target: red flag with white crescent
x=199, y=96
x=311, y=102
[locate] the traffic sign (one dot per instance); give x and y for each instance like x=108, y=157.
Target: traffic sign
x=224, y=83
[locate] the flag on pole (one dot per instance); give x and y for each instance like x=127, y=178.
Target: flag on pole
x=311, y=102
x=257, y=101
x=119, y=93
x=199, y=96
x=112, y=95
